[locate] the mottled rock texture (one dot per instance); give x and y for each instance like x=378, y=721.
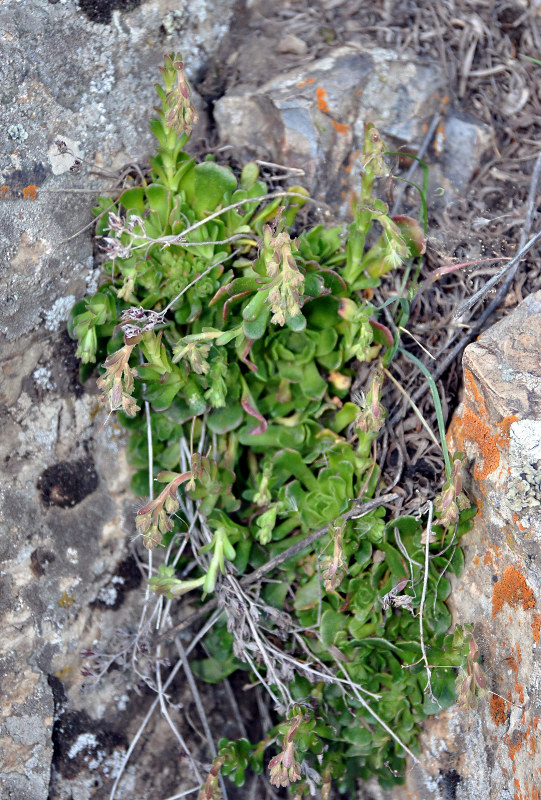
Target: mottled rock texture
x=493, y=752
x=82, y=73
x=312, y=117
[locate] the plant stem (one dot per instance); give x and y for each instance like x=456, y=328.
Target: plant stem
x=357, y=511
x=437, y=406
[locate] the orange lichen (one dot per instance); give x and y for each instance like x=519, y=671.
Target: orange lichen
x=321, y=95
x=528, y=793
x=532, y=741
x=513, y=590
x=30, y=192
x=505, y=426
x=4, y=191
x=518, y=523
x=475, y=430
x=493, y=552
x=340, y=127
x=473, y=390
x=498, y=709
x=474, y=425
x=305, y=82
x=514, y=744
x=439, y=139
x=536, y=627
x=514, y=662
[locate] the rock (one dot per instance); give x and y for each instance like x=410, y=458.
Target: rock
x=399, y=96
x=312, y=117
x=458, y=145
x=81, y=74
x=499, y=425
x=319, y=111
x=492, y=751
x=292, y=44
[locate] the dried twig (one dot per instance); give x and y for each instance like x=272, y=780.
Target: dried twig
x=165, y=713
x=140, y=731
x=199, y=705
x=496, y=278
x=293, y=550
x=183, y=794
x=416, y=410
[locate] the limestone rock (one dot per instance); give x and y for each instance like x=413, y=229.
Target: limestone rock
x=318, y=111
x=494, y=750
x=82, y=74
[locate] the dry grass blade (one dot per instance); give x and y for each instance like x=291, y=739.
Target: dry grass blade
x=428, y=534
x=417, y=412
x=513, y=264
x=199, y=705
x=257, y=574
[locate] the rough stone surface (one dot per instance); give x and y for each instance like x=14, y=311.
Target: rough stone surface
x=494, y=751
x=457, y=148
x=82, y=73
x=312, y=117
x=84, y=76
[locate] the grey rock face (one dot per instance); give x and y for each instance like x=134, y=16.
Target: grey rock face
x=81, y=74
x=76, y=95
x=314, y=116
x=83, y=77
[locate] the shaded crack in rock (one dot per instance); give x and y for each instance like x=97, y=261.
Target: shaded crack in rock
x=101, y=11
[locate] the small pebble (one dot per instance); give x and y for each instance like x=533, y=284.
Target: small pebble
x=292, y=44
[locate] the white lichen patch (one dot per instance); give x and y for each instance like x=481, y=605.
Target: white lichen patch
x=85, y=741
x=17, y=133
x=42, y=378
x=525, y=441
x=122, y=702
x=59, y=312
x=173, y=22
x=523, y=494
x=113, y=764
x=107, y=595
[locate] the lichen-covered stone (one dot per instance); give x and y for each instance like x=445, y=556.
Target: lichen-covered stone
x=76, y=95
x=494, y=750
x=315, y=114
